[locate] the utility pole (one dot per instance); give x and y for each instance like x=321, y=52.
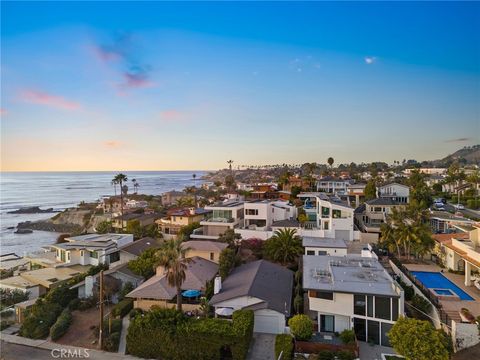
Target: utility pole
x=100, y=295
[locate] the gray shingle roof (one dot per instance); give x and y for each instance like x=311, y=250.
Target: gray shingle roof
x=198, y=272
x=139, y=246
x=262, y=279
x=204, y=245
x=323, y=242
x=383, y=201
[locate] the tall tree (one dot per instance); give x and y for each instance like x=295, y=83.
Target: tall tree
x=370, y=190
x=284, y=246
x=172, y=257
x=330, y=161
x=121, y=179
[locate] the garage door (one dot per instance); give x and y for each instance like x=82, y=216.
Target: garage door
x=267, y=324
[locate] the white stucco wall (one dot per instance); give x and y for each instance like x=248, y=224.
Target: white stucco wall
x=464, y=335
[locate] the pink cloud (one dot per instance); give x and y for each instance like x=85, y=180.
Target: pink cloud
x=43, y=98
x=113, y=144
x=136, y=81
x=3, y=111
x=172, y=116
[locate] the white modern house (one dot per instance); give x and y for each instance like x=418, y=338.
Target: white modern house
x=226, y=215
x=352, y=292
x=333, y=186
x=260, y=215
x=397, y=192
x=91, y=249
x=328, y=216
x=261, y=286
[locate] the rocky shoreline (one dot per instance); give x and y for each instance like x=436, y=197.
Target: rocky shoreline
x=33, y=210
x=47, y=225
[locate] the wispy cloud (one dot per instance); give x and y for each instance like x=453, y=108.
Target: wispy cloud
x=123, y=54
x=113, y=144
x=304, y=63
x=172, y=115
x=46, y=99
x=464, y=139
x=369, y=60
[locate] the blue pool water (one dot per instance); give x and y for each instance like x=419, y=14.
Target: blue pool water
x=436, y=280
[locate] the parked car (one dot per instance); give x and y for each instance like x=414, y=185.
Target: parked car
x=459, y=207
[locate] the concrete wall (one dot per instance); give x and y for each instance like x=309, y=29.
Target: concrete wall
x=464, y=335
x=330, y=251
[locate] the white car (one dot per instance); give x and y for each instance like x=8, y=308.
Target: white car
x=459, y=207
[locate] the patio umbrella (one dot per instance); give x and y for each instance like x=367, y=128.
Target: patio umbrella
x=224, y=311
x=191, y=293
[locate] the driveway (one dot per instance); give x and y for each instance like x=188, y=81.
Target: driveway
x=373, y=352
x=262, y=347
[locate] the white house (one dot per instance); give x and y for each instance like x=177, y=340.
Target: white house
x=91, y=249
x=226, y=215
x=324, y=246
x=352, y=292
x=395, y=191
x=371, y=215
x=328, y=217
x=333, y=186
x=260, y=215
x=261, y=286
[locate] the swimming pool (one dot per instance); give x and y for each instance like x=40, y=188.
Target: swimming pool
x=436, y=280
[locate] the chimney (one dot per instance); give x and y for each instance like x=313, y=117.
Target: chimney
x=217, y=285
x=192, y=211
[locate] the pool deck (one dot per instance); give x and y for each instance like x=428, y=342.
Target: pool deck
x=452, y=307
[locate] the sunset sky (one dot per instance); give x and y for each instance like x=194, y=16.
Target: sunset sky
x=167, y=86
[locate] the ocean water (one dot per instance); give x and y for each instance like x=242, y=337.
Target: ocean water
x=60, y=190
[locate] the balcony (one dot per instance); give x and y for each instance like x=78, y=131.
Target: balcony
x=220, y=220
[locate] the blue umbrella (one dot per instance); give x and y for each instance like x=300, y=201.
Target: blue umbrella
x=191, y=293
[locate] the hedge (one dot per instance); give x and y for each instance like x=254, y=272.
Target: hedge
x=284, y=346
x=123, y=307
x=39, y=319
x=61, y=325
x=168, y=334
x=301, y=327
x=111, y=339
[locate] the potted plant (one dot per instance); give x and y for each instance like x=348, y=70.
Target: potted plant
x=466, y=315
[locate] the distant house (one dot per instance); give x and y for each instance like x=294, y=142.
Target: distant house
x=171, y=197
x=133, y=250
x=443, y=222
x=371, y=215
x=113, y=204
x=11, y=261
x=333, y=186
x=121, y=222
x=209, y=250
x=394, y=191
x=170, y=225
x=157, y=292
x=296, y=181
x=90, y=249
x=226, y=215
x=136, y=204
x=121, y=274
x=261, y=286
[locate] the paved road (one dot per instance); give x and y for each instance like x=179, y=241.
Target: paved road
x=262, y=347
x=474, y=214
x=20, y=352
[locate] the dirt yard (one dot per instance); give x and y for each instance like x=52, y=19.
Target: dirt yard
x=80, y=333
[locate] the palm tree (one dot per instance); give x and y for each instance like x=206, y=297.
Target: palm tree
x=121, y=179
x=172, y=257
x=284, y=246
x=115, y=183
x=330, y=161
x=135, y=185
x=194, y=177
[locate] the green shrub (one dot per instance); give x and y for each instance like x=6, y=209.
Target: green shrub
x=326, y=355
x=421, y=304
x=345, y=355
x=347, y=336
x=87, y=303
x=134, y=312
x=111, y=342
x=39, y=319
x=284, y=346
x=128, y=287
x=123, y=308
x=61, y=325
x=4, y=324
x=74, y=304
x=301, y=327
x=168, y=334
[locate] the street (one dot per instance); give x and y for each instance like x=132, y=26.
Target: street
x=473, y=214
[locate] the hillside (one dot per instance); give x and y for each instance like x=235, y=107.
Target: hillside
x=468, y=155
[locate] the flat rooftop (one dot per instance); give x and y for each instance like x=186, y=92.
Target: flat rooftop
x=347, y=274
x=323, y=242
x=227, y=204
x=98, y=237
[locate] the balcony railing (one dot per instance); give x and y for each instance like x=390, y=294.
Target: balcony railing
x=221, y=220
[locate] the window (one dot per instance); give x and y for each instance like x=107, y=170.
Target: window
x=395, y=309
x=373, y=328
x=325, y=212
x=94, y=254
x=62, y=255
x=359, y=304
x=68, y=255
x=337, y=214
x=114, y=256
x=81, y=252
x=386, y=327
x=326, y=295
x=212, y=256
x=370, y=305
x=327, y=323
x=322, y=252
x=377, y=209
x=382, y=307
x=325, y=225
x=310, y=252
x=359, y=328
x=251, y=211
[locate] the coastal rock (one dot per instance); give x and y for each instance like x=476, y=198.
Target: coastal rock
x=47, y=225
x=32, y=210
x=23, y=231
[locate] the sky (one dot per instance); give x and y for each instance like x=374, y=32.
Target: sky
x=172, y=86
